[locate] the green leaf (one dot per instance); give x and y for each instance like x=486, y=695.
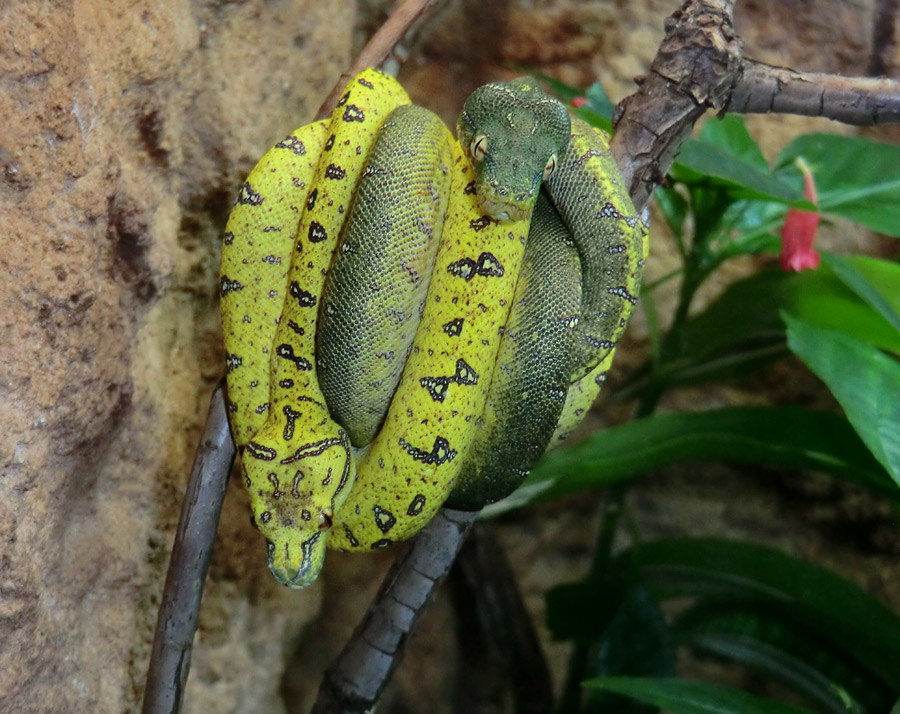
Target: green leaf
x=875, y=281
x=825, y=603
x=763, y=636
x=744, y=177
x=638, y=642
x=599, y=102
x=855, y=178
x=784, y=436
x=682, y=696
x=730, y=134
x=865, y=382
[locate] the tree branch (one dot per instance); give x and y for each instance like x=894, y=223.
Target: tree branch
x=698, y=63
x=862, y=101
x=355, y=680
x=170, y=659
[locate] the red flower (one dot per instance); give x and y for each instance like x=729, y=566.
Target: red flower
x=579, y=102
x=799, y=230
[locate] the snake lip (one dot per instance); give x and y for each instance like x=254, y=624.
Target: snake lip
x=505, y=212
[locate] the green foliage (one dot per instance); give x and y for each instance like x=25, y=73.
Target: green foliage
x=806, y=631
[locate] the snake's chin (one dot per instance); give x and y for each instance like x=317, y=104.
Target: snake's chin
x=505, y=212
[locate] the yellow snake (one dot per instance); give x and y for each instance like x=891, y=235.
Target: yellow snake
x=399, y=329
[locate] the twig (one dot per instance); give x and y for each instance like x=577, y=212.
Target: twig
x=862, y=101
x=380, y=45
x=177, y=620
x=355, y=680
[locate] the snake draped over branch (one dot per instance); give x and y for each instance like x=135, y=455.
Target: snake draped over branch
x=412, y=320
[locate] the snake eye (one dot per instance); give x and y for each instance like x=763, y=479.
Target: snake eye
x=551, y=166
x=326, y=518
x=478, y=147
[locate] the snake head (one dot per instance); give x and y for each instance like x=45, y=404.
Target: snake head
x=513, y=133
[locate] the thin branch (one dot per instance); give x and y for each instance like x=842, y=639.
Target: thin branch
x=177, y=620
x=862, y=101
x=380, y=46
x=355, y=680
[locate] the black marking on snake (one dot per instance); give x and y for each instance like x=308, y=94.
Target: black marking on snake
x=384, y=519
x=260, y=452
x=265, y=517
x=479, y=224
x=383, y=543
x=227, y=285
x=291, y=416
x=436, y=387
x=454, y=327
x=228, y=238
x=487, y=266
x=232, y=362
x=350, y=537
x=343, y=100
x=247, y=196
x=623, y=293
x=293, y=143
x=311, y=199
x=334, y=172
x=303, y=297
x=600, y=378
x=587, y=155
x=416, y=505
x=557, y=395
x=616, y=249
x=470, y=188
x=596, y=342
x=317, y=232
x=330, y=143
x=354, y=113
x=273, y=479
x=272, y=259
x=631, y=221
x=440, y=453
x=305, y=515
x=286, y=383
x=609, y=211
x=316, y=448
x=262, y=408
x=286, y=351
x=366, y=83
x=296, y=328
x=298, y=477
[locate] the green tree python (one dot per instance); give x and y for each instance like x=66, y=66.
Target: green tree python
x=410, y=320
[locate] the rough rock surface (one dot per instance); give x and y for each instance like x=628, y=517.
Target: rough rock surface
x=126, y=129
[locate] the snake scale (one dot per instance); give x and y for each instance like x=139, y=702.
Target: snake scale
x=411, y=320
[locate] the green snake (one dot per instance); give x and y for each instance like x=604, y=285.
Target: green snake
x=411, y=320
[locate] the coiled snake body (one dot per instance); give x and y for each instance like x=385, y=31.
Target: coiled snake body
x=409, y=319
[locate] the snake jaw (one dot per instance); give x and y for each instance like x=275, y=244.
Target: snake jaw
x=505, y=211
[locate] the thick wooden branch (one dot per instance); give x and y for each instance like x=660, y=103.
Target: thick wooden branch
x=695, y=69
x=862, y=101
x=355, y=680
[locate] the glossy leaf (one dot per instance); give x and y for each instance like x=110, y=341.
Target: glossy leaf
x=835, y=608
x=784, y=436
x=865, y=381
x=683, y=696
x=877, y=282
x=856, y=178
x=763, y=636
